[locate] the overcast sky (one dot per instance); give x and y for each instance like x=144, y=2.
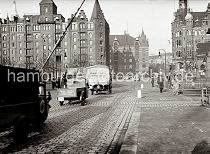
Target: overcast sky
x=154, y=16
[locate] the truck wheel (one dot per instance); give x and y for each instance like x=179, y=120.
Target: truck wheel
x=44, y=110
x=61, y=103
x=110, y=91
x=82, y=98
x=21, y=129
x=92, y=91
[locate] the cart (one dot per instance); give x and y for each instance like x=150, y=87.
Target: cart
x=205, y=97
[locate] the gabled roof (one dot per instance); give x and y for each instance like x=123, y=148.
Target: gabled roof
x=123, y=40
x=96, y=10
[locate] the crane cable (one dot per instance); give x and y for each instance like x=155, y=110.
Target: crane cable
x=61, y=37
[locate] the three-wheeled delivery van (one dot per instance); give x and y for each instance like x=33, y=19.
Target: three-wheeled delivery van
x=23, y=100
x=75, y=87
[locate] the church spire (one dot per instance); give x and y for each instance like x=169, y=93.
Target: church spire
x=97, y=12
x=142, y=32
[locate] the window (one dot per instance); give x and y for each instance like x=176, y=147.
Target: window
x=124, y=60
x=13, y=37
x=101, y=42
x=49, y=47
x=20, y=44
x=65, y=43
x=19, y=37
x=46, y=9
x=4, y=38
x=20, y=51
x=75, y=46
x=37, y=51
x=4, y=45
x=13, y=44
x=44, y=47
x=4, y=52
x=46, y=19
x=74, y=26
x=82, y=42
x=82, y=26
x=90, y=35
x=36, y=44
x=130, y=66
x=91, y=42
x=74, y=37
x=91, y=49
x=90, y=26
x=130, y=60
x=82, y=35
x=36, y=36
x=4, y=29
x=58, y=26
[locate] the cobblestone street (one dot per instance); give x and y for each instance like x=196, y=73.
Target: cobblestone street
x=78, y=129
x=119, y=122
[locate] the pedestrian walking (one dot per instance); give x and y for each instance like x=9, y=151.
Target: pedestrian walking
x=53, y=83
x=175, y=86
x=152, y=80
x=59, y=82
x=160, y=81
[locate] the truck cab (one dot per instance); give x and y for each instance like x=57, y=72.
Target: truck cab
x=23, y=100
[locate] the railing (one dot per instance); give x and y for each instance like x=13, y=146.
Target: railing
x=194, y=85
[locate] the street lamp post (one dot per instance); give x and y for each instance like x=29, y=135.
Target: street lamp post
x=165, y=57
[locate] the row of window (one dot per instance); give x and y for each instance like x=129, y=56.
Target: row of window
x=82, y=26
x=130, y=60
x=191, y=32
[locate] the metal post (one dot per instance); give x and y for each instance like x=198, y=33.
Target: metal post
x=165, y=58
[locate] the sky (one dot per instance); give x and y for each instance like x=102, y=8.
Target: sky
x=153, y=16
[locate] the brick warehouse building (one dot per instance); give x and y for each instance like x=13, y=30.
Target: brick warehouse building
x=188, y=29
x=129, y=54
x=27, y=41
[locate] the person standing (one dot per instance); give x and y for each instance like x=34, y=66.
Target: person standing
x=53, y=83
x=152, y=80
x=160, y=81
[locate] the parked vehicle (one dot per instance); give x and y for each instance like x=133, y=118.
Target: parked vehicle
x=99, y=78
x=23, y=100
x=75, y=88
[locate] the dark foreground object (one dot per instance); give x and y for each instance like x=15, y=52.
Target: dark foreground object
x=23, y=100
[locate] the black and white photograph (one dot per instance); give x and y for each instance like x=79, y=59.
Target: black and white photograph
x=105, y=76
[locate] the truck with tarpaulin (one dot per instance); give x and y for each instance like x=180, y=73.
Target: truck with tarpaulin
x=99, y=78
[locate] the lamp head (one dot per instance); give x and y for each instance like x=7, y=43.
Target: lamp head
x=159, y=55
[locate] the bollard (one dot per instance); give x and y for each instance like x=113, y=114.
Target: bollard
x=142, y=86
x=139, y=94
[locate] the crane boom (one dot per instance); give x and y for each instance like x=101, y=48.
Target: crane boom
x=61, y=37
